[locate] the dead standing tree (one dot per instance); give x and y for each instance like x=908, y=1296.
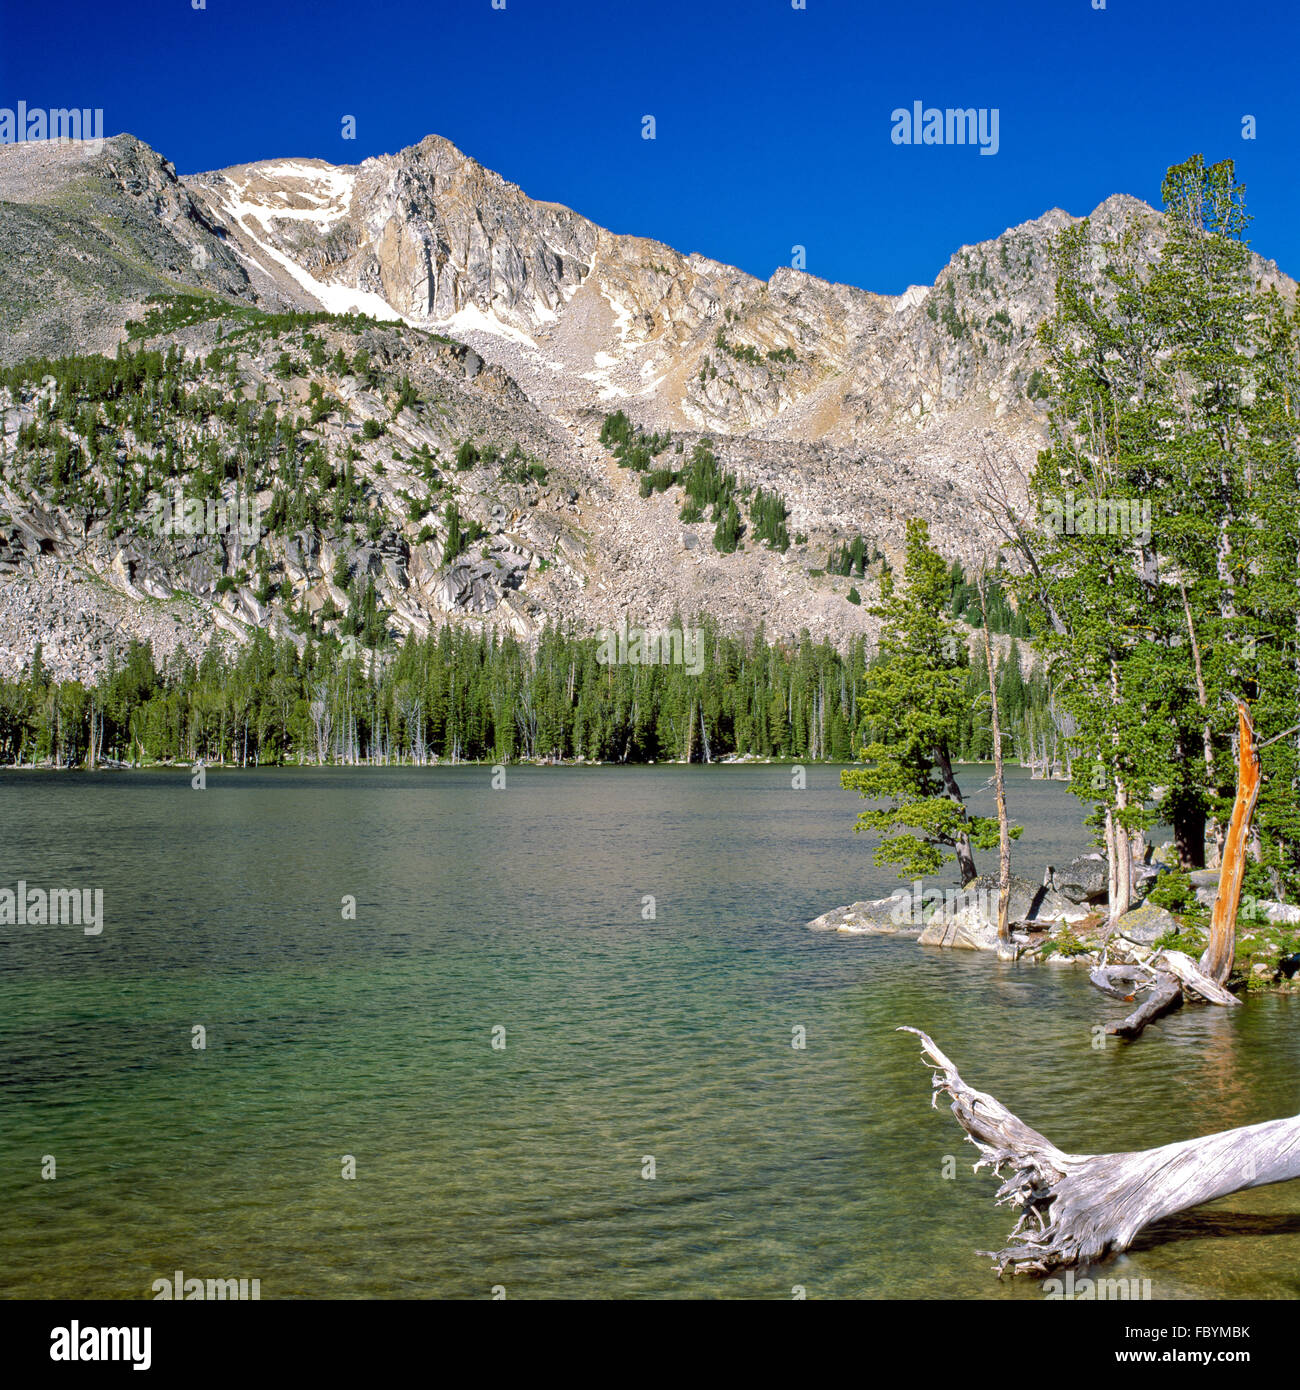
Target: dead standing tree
x=1077, y=1208
x=1005, y=949
x=1170, y=976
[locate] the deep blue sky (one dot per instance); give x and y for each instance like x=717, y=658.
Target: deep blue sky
x=773, y=124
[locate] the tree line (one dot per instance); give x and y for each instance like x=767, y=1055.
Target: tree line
x=461, y=694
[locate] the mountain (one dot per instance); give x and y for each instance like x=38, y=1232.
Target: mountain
x=497, y=323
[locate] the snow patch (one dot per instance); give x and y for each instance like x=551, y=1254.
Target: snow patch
x=337, y=299
x=472, y=319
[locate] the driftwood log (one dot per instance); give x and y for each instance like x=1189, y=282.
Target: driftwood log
x=1078, y=1208
x=1170, y=976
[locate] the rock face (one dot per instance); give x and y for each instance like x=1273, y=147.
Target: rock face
x=1206, y=884
x=86, y=235
x=859, y=409
x=582, y=316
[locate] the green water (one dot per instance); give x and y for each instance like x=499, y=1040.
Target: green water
x=625, y=1038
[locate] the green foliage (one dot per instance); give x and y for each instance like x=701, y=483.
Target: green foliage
x=463, y=692
x=852, y=557
x=169, y=314
x=1173, y=387
x=631, y=446
x=1065, y=943
x=727, y=533
x=657, y=480
x=1174, y=891
x=742, y=352
x=767, y=516
x=912, y=707
x=517, y=467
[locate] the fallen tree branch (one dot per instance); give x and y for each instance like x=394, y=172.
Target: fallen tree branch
x=1184, y=969
x=1166, y=995
x=1077, y=1208
x=1119, y=981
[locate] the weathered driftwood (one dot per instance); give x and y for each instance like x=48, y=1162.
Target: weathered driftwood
x=1184, y=969
x=1119, y=981
x=1167, y=977
x=1077, y=1208
x=1166, y=995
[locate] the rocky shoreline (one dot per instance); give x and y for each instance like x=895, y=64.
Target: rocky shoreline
x=1063, y=921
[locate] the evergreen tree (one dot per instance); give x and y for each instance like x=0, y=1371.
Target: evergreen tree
x=912, y=703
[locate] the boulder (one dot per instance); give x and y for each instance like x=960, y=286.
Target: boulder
x=968, y=918
x=1146, y=924
x=1206, y=883
x=1084, y=879
x=878, y=917
x=966, y=930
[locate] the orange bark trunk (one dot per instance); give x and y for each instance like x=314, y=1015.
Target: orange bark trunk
x=1217, y=960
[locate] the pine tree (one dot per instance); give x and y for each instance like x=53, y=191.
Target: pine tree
x=912, y=703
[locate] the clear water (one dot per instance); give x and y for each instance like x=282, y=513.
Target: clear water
x=625, y=1038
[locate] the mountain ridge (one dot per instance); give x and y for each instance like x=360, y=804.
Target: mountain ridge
x=501, y=323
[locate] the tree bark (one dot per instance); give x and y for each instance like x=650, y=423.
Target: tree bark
x=1077, y=1208
x=1217, y=960
x=1176, y=976
x=1005, y=949
x=961, y=841
x=1211, y=833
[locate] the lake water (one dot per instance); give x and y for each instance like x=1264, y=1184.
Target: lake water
x=523, y=909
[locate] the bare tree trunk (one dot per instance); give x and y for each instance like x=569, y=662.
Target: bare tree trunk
x=1112, y=870
x=961, y=842
x=1174, y=975
x=1217, y=960
x=1005, y=950
x=1213, y=835
x=1076, y=1208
